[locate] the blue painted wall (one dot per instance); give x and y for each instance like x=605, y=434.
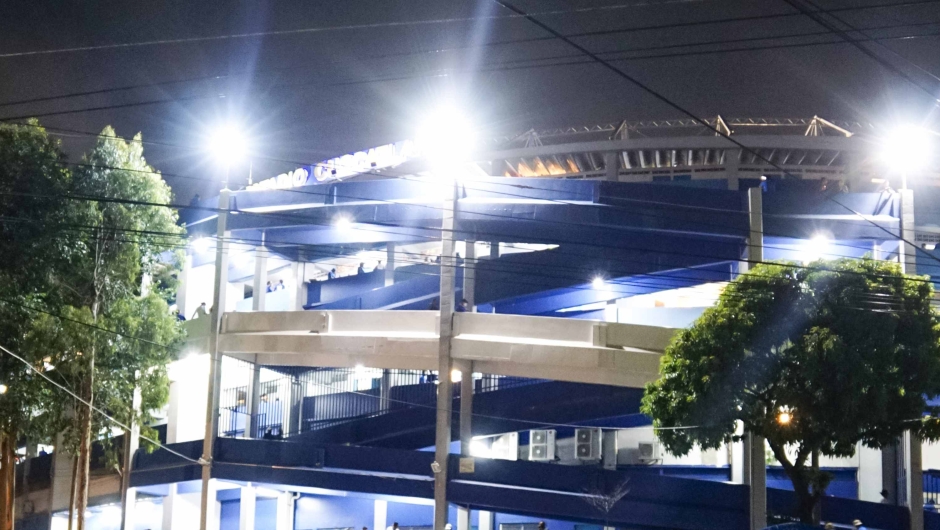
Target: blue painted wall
x=229, y=515
x=313, y=512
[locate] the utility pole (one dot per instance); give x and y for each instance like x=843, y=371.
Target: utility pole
x=445, y=392
x=215, y=359
x=755, y=468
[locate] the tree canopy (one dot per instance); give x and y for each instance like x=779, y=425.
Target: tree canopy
x=814, y=359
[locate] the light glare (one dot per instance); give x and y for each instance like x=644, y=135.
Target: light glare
x=908, y=148
x=227, y=144
x=597, y=283
x=201, y=244
x=446, y=135
x=815, y=249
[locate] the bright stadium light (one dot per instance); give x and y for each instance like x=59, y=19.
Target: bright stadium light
x=908, y=148
x=227, y=143
x=597, y=282
x=815, y=249
x=342, y=223
x=445, y=135
x=784, y=418
x=200, y=244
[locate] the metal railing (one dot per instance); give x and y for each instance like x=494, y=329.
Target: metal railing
x=318, y=398
x=932, y=488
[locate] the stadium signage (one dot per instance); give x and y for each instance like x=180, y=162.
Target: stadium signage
x=381, y=157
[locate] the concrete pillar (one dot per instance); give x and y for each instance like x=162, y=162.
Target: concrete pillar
x=390, y=264
x=246, y=510
x=755, y=466
x=215, y=363
x=254, y=403
x=463, y=518
x=758, y=482
x=911, y=445
x=61, y=472
x=469, y=274
x=494, y=250
x=907, y=253
x=486, y=520
x=444, y=387
x=285, y=512
x=385, y=390
x=260, y=280
x=612, y=166
x=380, y=515
x=870, y=478
x=466, y=406
x=298, y=291
x=183, y=283
x=181, y=510
x=914, y=478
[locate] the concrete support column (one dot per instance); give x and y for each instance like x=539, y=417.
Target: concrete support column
x=757, y=482
x=612, y=166
x=870, y=478
x=444, y=387
x=907, y=253
x=181, y=290
x=131, y=444
x=215, y=363
x=292, y=421
x=494, y=250
x=254, y=403
x=260, y=279
x=380, y=515
x=180, y=510
x=469, y=274
x=298, y=296
x=914, y=478
x=756, y=467
x=390, y=265
x=246, y=509
x=466, y=406
x=385, y=390
x=463, y=518
x=911, y=445
x=284, y=517
x=486, y=520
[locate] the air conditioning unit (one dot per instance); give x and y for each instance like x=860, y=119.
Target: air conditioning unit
x=587, y=444
x=648, y=452
x=542, y=445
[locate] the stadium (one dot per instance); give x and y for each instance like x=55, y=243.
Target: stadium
x=548, y=271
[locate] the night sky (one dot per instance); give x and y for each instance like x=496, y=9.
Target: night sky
x=310, y=95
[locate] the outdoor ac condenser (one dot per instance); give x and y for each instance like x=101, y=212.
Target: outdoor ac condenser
x=587, y=444
x=648, y=452
x=542, y=445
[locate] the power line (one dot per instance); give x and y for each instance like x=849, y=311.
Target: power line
x=814, y=15
x=322, y=29
x=94, y=408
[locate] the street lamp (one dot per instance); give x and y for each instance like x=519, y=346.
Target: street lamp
x=908, y=149
x=227, y=144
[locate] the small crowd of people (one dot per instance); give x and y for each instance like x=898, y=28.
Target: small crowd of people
x=361, y=269
x=279, y=286
x=462, y=307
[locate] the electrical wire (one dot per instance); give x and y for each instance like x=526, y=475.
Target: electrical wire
x=94, y=408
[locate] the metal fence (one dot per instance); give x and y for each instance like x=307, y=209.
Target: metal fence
x=293, y=401
x=932, y=488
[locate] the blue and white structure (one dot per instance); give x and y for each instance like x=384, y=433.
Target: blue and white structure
x=579, y=254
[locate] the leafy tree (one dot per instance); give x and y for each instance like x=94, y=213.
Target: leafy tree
x=813, y=359
x=32, y=174
x=117, y=336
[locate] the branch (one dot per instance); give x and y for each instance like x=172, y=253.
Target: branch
x=781, y=454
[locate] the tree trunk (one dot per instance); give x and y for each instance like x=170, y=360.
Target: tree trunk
x=84, y=453
x=72, y=490
x=7, y=478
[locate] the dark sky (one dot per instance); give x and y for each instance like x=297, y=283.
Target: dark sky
x=308, y=96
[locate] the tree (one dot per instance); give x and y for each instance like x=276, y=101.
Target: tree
x=32, y=174
x=814, y=359
x=117, y=336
